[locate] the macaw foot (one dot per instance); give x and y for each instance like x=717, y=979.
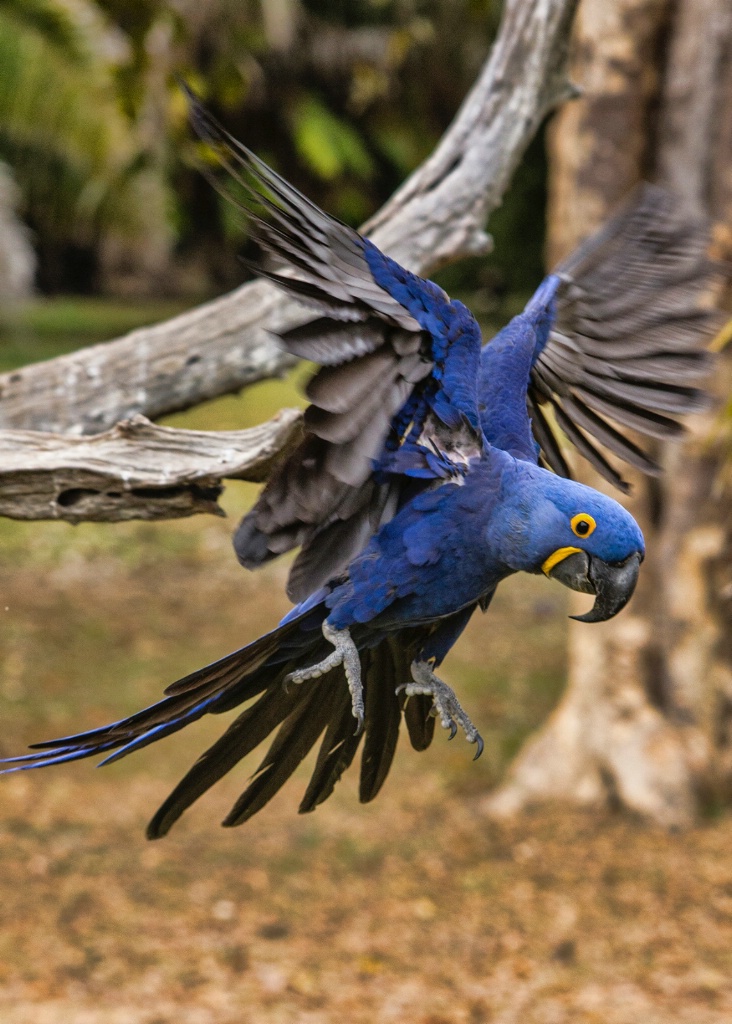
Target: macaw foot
x=445, y=703
x=346, y=654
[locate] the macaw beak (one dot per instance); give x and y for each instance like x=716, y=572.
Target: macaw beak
x=612, y=583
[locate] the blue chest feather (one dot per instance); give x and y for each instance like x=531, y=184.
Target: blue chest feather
x=432, y=559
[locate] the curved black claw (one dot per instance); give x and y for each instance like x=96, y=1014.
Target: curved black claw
x=480, y=746
x=445, y=704
x=359, y=725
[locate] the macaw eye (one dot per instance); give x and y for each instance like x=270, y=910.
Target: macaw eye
x=582, y=524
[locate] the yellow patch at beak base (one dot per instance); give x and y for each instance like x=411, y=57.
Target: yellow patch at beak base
x=558, y=556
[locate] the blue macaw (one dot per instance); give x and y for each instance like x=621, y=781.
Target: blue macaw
x=422, y=481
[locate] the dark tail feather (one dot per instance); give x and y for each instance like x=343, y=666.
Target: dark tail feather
x=215, y=688
x=249, y=730
x=337, y=751
x=303, y=713
x=300, y=714
x=293, y=742
x=420, y=721
x=389, y=669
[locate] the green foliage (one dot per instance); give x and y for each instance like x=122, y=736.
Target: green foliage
x=45, y=328
x=53, y=23
x=327, y=144
x=74, y=154
x=344, y=98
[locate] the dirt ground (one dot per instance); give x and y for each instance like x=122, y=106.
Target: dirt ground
x=415, y=908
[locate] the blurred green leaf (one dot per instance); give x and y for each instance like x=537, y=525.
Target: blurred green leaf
x=403, y=144
x=327, y=144
x=53, y=23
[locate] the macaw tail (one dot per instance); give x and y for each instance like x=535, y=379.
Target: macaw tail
x=299, y=713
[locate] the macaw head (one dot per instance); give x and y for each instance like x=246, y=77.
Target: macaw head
x=576, y=535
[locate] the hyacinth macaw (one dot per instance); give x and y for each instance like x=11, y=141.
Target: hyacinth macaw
x=428, y=473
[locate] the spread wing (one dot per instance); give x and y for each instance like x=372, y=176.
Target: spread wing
x=624, y=349
x=397, y=388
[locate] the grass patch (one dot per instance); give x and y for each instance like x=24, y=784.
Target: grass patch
x=45, y=328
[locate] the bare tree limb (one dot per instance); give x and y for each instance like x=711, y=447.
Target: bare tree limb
x=136, y=470
x=438, y=215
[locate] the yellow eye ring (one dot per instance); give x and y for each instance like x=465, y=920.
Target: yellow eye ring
x=582, y=524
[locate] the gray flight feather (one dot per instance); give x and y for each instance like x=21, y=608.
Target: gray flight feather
x=625, y=348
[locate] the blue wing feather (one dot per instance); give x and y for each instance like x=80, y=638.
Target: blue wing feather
x=505, y=371
x=396, y=401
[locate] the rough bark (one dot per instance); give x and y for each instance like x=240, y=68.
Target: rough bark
x=645, y=692
x=136, y=470
x=599, y=147
x=437, y=216
x=694, y=599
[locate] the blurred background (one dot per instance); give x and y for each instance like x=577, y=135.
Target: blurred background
x=580, y=871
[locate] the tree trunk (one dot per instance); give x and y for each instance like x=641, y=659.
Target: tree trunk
x=695, y=534
x=599, y=146
x=639, y=724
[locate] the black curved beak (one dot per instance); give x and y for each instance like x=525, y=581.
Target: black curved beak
x=612, y=583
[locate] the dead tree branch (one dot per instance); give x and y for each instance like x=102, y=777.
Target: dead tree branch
x=136, y=470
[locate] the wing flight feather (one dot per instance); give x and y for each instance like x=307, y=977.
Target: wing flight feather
x=625, y=349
